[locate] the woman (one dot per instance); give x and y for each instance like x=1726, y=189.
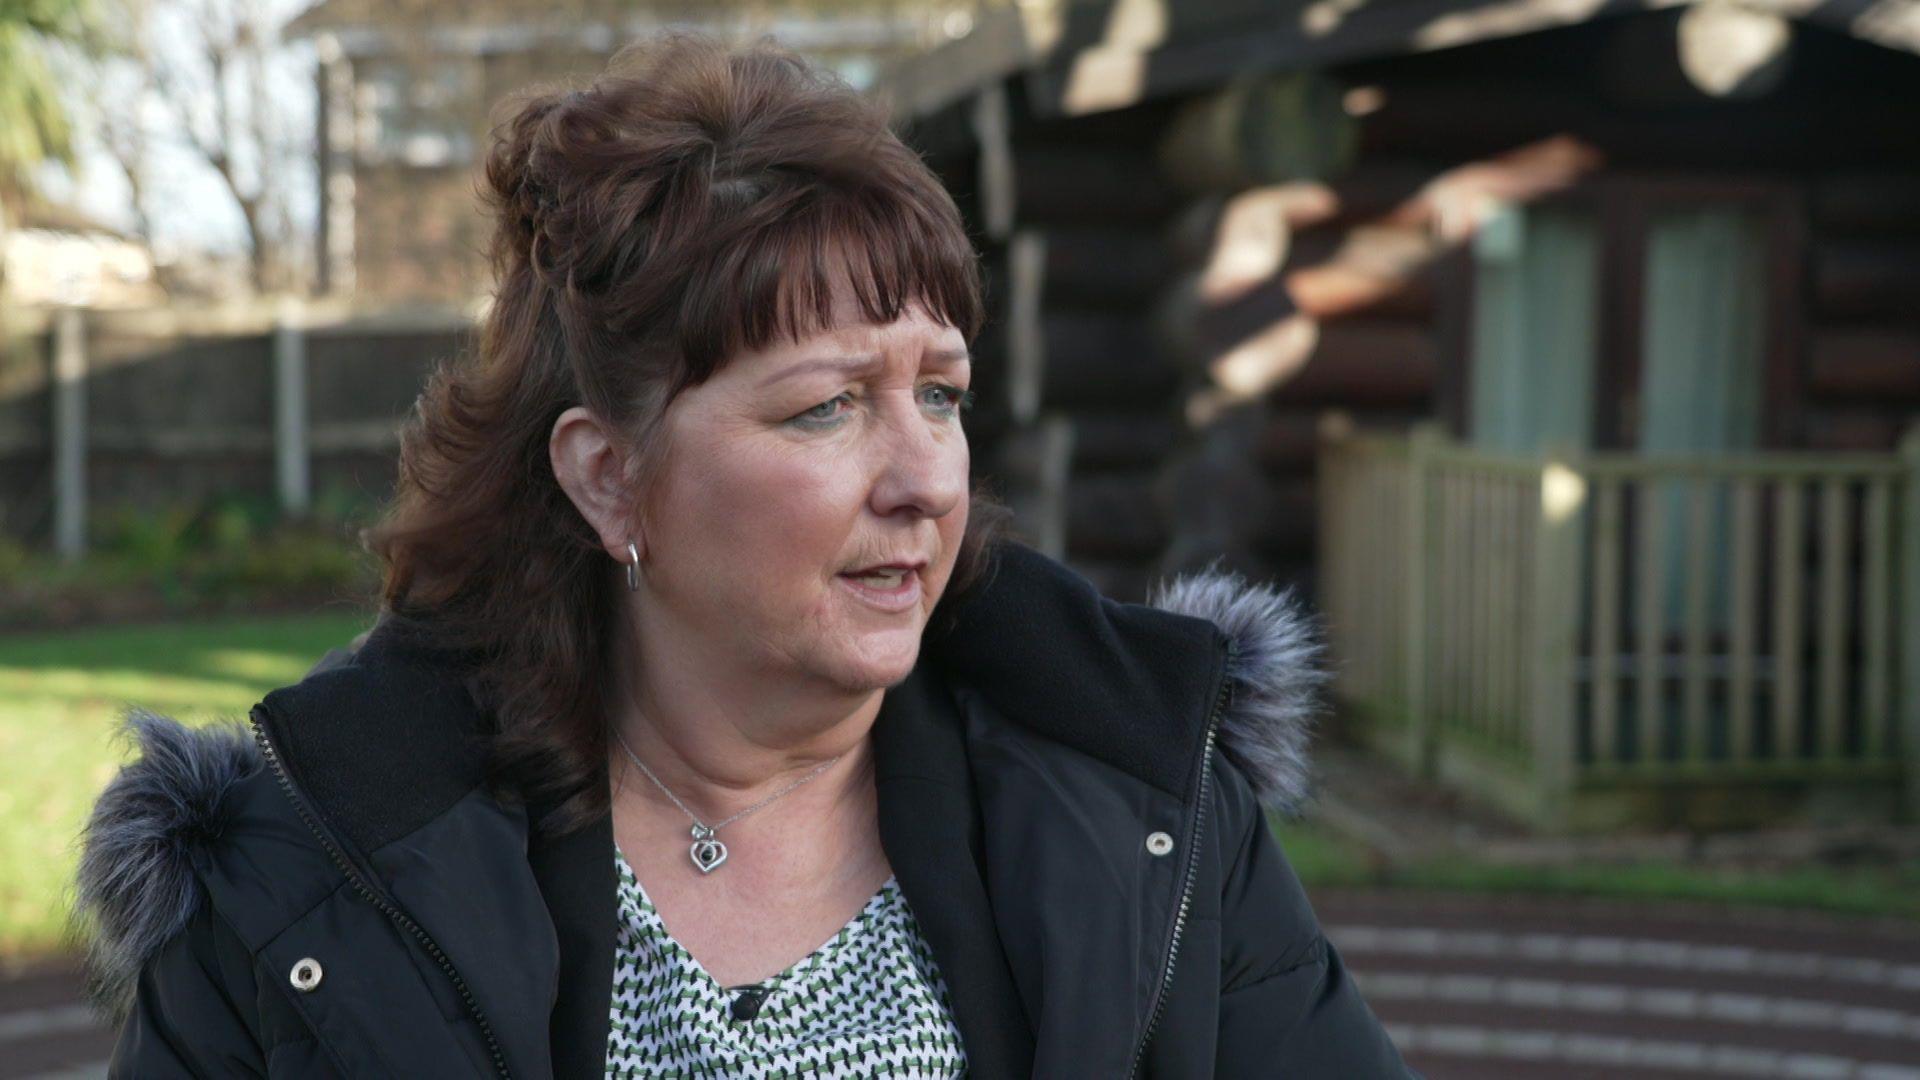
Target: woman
x=709, y=730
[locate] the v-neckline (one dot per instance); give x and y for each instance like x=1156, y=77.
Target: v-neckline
x=792, y=972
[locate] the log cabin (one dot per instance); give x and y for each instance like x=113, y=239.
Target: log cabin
x=1566, y=355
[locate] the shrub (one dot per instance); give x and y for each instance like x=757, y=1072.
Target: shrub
x=231, y=553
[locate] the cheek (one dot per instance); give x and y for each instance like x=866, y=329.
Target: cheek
x=769, y=509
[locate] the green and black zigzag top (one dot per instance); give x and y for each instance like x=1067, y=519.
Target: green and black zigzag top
x=868, y=1003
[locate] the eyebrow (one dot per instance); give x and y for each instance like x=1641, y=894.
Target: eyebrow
x=860, y=363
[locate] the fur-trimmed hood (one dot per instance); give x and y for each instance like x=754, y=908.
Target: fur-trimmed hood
x=137, y=886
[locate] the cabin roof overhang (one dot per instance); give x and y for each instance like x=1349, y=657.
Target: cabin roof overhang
x=1141, y=51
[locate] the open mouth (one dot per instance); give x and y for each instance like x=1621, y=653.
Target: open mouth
x=890, y=589
x=889, y=578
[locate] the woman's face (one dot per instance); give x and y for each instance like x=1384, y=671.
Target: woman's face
x=793, y=469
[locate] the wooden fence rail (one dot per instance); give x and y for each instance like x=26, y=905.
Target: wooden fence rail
x=1593, y=639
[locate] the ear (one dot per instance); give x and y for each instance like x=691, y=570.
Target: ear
x=591, y=469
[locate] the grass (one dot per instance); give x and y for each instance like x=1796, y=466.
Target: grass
x=61, y=699
x=1323, y=858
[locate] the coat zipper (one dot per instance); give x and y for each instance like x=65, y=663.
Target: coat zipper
x=374, y=895
x=1220, y=700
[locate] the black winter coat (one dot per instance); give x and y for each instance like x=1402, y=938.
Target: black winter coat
x=337, y=894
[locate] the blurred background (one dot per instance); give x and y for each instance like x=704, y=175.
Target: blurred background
x=1564, y=355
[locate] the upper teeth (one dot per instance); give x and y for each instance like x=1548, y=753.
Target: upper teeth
x=894, y=574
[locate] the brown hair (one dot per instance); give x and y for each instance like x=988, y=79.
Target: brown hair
x=693, y=201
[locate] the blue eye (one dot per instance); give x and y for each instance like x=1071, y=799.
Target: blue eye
x=824, y=414
x=953, y=399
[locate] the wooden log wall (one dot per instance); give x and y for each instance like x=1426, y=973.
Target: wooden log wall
x=1862, y=370
x=1348, y=320
x=1104, y=336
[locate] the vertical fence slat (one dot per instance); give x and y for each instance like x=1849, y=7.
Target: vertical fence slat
x=1419, y=450
x=1700, y=494
x=1606, y=622
x=1364, y=465
x=1835, y=547
x=1362, y=581
x=1506, y=613
x=1787, y=536
x=1649, y=619
x=1743, y=618
x=1383, y=584
x=1481, y=584
x=1876, y=631
x=1449, y=621
x=1909, y=617
x=1331, y=466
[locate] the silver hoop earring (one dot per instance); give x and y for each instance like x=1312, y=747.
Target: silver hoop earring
x=633, y=567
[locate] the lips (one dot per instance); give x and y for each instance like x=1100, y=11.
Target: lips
x=892, y=571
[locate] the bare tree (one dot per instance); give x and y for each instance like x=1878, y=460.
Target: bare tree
x=221, y=101
x=116, y=91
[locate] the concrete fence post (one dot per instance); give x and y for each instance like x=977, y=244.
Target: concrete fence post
x=290, y=446
x=69, y=433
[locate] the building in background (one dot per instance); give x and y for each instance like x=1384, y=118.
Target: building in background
x=56, y=255
x=405, y=89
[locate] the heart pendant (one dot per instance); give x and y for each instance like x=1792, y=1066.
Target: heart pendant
x=707, y=853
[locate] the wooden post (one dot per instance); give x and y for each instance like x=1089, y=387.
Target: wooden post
x=1604, y=683
x=1744, y=632
x=1026, y=344
x=1836, y=547
x=1788, y=537
x=1056, y=474
x=1556, y=634
x=1426, y=750
x=290, y=449
x=1908, y=618
x=993, y=130
x=69, y=434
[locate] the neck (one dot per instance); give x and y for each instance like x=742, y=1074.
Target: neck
x=721, y=739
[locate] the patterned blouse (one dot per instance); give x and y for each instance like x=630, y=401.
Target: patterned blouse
x=869, y=1002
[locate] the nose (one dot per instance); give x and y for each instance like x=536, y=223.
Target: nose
x=922, y=467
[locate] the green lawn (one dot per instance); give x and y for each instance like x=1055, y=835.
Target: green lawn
x=61, y=699
x=1323, y=858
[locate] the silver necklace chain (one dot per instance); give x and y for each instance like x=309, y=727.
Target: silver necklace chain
x=700, y=826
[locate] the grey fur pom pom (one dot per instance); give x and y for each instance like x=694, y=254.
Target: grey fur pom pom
x=1275, y=674
x=135, y=887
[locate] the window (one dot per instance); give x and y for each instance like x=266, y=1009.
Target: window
x=416, y=110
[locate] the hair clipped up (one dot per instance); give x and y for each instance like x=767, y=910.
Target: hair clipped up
x=694, y=201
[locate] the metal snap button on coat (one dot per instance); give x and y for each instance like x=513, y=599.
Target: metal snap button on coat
x=1159, y=843
x=306, y=975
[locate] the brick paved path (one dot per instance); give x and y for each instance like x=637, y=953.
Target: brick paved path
x=1539, y=987
x=45, y=1030
x=1486, y=988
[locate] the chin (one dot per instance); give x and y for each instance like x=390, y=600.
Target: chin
x=873, y=663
